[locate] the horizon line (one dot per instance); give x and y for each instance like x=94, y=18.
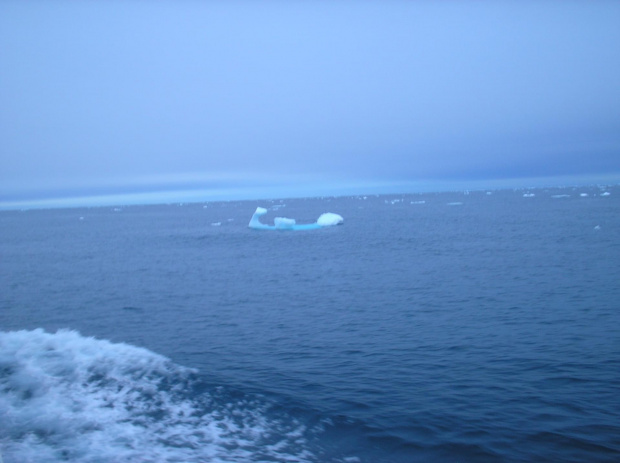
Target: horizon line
x=202, y=195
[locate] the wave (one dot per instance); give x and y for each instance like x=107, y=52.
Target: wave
x=66, y=397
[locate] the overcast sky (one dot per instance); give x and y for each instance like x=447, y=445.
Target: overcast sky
x=136, y=96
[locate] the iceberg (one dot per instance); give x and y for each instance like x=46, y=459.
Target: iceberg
x=283, y=223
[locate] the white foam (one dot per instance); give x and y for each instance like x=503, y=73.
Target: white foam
x=65, y=397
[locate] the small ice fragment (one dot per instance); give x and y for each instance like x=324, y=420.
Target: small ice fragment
x=454, y=204
x=560, y=196
x=418, y=202
x=528, y=195
x=598, y=227
x=328, y=219
x=283, y=223
x=583, y=195
x=216, y=224
x=607, y=193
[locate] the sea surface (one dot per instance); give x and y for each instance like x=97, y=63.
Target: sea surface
x=448, y=327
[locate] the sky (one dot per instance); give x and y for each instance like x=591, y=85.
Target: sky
x=235, y=99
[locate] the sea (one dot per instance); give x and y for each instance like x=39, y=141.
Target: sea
x=469, y=326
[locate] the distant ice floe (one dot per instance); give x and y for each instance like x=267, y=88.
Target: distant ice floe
x=216, y=224
x=598, y=227
x=607, y=193
x=583, y=195
x=283, y=223
x=457, y=203
x=418, y=202
x=528, y=195
x=560, y=196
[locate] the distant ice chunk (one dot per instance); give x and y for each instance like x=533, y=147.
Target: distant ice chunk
x=607, y=193
x=216, y=224
x=598, y=227
x=283, y=223
x=328, y=219
x=418, y=202
x=560, y=196
x=583, y=195
x=528, y=195
x=456, y=203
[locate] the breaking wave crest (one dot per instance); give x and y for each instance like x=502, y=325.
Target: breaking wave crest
x=66, y=397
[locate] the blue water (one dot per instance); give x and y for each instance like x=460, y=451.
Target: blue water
x=430, y=327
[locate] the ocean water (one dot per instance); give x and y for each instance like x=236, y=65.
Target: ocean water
x=452, y=327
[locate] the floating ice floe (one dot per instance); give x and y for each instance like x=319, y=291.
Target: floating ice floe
x=282, y=223
x=598, y=227
x=528, y=195
x=560, y=196
x=583, y=195
x=457, y=203
x=607, y=193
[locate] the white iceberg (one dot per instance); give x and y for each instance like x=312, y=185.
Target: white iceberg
x=328, y=219
x=283, y=223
